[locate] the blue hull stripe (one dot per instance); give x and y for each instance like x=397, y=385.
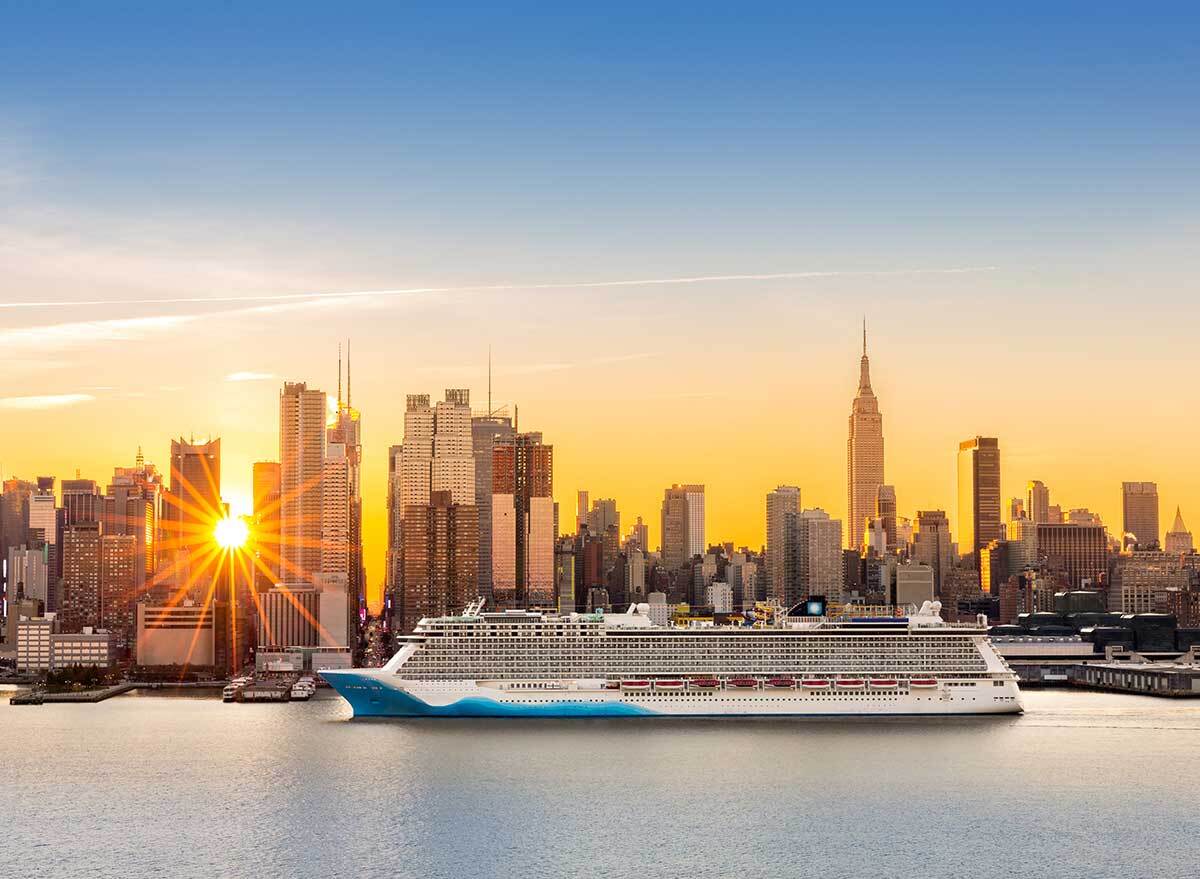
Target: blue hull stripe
x=369, y=698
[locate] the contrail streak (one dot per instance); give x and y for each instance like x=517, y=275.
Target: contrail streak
x=486, y=288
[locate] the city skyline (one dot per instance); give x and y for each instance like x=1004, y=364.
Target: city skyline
x=232, y=480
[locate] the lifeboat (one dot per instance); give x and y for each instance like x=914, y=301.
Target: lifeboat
x=815, y=684
x=782, y=683
x=923, y=683
x=669, y=685
x=744, y=683
x=851, y=684
x=613, y=685
x=635, y=685
x=882, y=684
x=705, y=683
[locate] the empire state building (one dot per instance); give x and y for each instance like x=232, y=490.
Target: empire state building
x=864, y=453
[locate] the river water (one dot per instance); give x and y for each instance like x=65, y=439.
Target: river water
x=1083, y=784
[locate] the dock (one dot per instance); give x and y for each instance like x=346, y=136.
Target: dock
x=41, y=697
x=1176, y=679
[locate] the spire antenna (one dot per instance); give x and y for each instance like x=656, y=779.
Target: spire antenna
x=489, y=409
x=347, y=373
x=864, y=335
x=339, y=397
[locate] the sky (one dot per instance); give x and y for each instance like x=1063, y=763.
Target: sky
x=1009, y=195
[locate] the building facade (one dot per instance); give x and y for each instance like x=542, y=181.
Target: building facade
x=1139, y=514
x=864, y=454
x=486, y=431
x=932, y=544
x=1179, y=539
x=683, y=525
x=301, y=468
x=81, y=577
x=819, y=554
x=440, y=555
x=1079, y=551
x=523, y=522
x=782, y=564
x=979, y=507
x=193, y=503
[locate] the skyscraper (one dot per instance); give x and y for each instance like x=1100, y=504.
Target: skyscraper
x=436, y=458
x=932, y=544
x=819, y=553
x=437, y=453
x=486, y=431
x=80, y=604
x=132, y=505
x=14, y=524
x=1139, y=514
x=440, y=551
x=81, y=501
x=682, y=525
x=342, y=501
x=523, y=522
x=336, y=500
x=43, y=511
x=119, y=560
x=979, y=509
x=43, y=529
x=266, y=531
x=194, y=503
x=28, y=576
x=885, y=512
x=1022, y=545
x=604, y=513
x=301, y=468
x=639, y=537
x=1079, y=551
x=395, y=516
x=864, y=452
x=581, y=510
x=1037, y=501
x=783, y=575
x=1179, y=539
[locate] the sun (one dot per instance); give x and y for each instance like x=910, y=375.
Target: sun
x=230, y=533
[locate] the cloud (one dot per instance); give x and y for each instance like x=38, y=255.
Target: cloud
x=79, y=333
x=315, y=296
x=545, y=366
x=46, y=401
x=249, y=376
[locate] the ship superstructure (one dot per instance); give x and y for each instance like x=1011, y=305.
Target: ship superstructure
x=526, y=663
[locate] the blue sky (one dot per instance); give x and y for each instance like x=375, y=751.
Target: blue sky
x=880, y=121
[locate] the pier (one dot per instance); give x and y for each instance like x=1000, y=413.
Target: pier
x=1178, y=679
x=41, y=697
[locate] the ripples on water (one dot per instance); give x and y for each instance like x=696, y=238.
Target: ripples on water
x=1084, y=784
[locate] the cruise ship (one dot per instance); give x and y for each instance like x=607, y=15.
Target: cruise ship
x=531, y=664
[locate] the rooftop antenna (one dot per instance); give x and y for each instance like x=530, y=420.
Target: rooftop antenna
x=347, y=373
x=339, y=375
x=140, y=460
x=864, y=335
x=489, y=381
x=516, y=419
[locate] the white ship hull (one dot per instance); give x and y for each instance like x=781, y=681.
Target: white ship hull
x=375, y=693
